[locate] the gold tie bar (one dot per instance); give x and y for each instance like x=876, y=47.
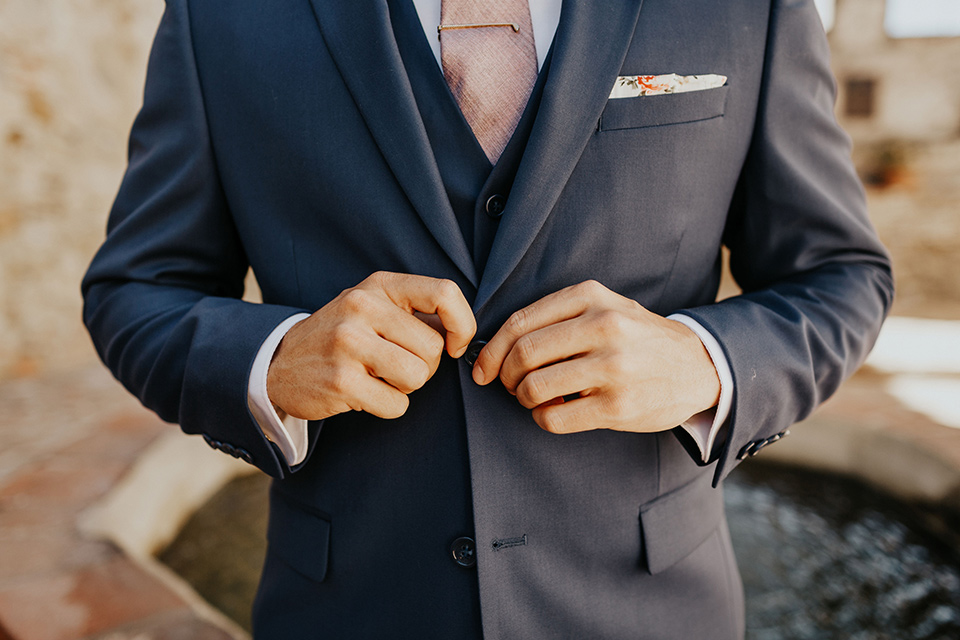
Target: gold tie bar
x=444, y=27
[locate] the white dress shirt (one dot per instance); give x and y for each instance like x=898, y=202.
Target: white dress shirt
x=290, y=434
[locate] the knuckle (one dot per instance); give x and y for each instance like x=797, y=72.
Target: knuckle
x=525, y=350
x=379, y=278
x=357, y=300
x=517, y=322
x=434, y=344
x=552, y=422
x=591, y=288
x=533, y=389
x=610, y=323
x=418, y=374
x=447, y=289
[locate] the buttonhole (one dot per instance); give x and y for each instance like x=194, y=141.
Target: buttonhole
x=505, y=543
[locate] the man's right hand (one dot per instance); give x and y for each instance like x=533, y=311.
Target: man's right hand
x=366, y=350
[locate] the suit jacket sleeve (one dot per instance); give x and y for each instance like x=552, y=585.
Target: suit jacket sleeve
x=816, y=281
x=161, y=298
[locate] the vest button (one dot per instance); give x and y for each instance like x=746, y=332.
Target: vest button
x=464, y=552
x=495, y=205
x=473, y=350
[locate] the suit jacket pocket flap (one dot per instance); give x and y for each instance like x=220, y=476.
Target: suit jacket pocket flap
x=671, y=108
x=675, y=524
x=299, y=536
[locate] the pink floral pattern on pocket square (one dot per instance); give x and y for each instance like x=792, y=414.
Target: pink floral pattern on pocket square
x=636, y=86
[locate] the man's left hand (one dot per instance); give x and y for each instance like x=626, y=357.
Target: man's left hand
x=587, y=358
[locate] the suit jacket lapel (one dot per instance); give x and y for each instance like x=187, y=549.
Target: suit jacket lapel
x=588, y=51
x=361, y=41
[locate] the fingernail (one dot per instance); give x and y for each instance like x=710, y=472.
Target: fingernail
x=462, y=350
x=478, y=375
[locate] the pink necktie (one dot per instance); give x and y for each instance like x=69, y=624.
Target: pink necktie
x=490, y=62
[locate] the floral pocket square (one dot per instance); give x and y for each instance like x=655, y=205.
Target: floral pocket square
x=636, y=86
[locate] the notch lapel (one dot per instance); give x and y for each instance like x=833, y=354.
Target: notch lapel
x=361, y=41
x=588, y=51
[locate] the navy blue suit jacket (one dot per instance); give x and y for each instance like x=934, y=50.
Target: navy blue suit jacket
x=285, y=136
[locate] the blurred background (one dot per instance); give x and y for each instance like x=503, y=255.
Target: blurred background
x=77, y=554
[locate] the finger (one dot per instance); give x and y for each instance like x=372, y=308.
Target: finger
x=397, y=366
x=363, y=392
x=432, y=320
x=556, y=307
x=434, y=296
x=537, y=349
x=378, y=312
x=411, y=334
x=580, y=414
x=546, y=385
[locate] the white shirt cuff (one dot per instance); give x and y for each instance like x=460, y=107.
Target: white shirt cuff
x=289, y=434
x=709, y=427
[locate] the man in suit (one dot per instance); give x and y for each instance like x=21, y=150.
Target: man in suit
x=531, y=482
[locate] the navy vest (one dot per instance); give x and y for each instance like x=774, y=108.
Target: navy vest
x=477, y=190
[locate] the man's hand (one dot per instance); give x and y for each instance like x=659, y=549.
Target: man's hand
x=627, y=368
x=365, y=350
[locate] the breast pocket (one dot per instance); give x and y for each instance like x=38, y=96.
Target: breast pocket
x=662, y=110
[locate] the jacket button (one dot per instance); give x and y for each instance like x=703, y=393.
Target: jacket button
x=464, y=552
x=473, y=350
x=495, y=205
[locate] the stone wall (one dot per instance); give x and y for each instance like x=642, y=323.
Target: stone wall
x=71, y=77
x=917, y=80
x=908, y=150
